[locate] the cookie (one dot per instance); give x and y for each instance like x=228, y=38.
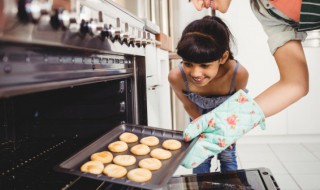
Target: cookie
x=150, y=141
x=104, y=157
x=160, y=154
x=140, y=149
x=118, y=146
x=139, y=175
x=124, y=160
x=113, y=170
x=128, y=137
x=150, y=164
x=171, y=144
x=94, y=167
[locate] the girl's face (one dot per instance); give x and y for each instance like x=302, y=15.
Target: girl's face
x=219, y=5
x=200, y=74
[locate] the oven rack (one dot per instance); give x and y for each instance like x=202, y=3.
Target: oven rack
x=27, y=163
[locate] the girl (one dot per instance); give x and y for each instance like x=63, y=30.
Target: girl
x=285, y=23
x=207, y=76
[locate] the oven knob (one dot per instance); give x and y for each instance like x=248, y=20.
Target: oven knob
x=111, y=32
x=105, y=32
x=138, y=39
x=132, y=38
x=60, y=18
x=118, y=31
x=144, y=39
x=93, y=27
x=149, y=40
x=73, y=7
x=96, y=25
x=125, y=34
x=32, y=10
x=84, y=27
x=74, y=26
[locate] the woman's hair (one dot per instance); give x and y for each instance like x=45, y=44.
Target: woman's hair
x=205, y=40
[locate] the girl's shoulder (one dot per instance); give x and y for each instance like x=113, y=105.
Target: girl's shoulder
x=236, y=68
x=241, y=77
x=175, y=77
x=174, y=74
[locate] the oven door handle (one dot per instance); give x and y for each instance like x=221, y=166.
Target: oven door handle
x=122, y=106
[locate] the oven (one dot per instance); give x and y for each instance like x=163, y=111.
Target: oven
x=70, y=71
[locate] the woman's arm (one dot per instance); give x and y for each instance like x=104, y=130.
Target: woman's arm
x=293, y=83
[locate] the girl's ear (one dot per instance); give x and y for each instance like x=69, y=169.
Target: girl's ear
x=224, y=57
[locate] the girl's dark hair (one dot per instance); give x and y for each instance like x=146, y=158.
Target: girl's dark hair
x=205, y=40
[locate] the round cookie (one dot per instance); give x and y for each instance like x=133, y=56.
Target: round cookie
x=118, y=146
x=150, y=164
x=104, y=157
x=128, y=137
x=94, y=167
x=124, y=160
x=160, y=154
x=113, y=170
x=140, y=149
x=171, y=144
x=139, y=175
x=150, y=141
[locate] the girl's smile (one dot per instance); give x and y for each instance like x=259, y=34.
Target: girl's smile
x=200, y=74
x=199, y=80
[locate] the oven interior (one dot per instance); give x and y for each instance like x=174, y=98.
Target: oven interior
x=54, y=101
x=41, y=129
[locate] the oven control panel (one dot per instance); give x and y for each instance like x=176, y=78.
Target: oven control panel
x=93, y=24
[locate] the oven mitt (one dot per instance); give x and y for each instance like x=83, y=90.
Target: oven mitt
x=221, y=127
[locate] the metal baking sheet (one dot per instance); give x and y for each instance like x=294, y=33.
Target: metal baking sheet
x=159, y=178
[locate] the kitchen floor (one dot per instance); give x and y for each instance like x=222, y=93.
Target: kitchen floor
x=295, y=166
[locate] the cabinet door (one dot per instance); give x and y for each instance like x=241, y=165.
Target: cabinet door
x=153, y=107
x=151, y=66
x=158, y=92
x=303, y=115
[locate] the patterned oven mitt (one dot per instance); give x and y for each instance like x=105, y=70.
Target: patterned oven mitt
x=221, y=127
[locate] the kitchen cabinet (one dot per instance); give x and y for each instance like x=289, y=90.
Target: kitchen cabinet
x=158, y=88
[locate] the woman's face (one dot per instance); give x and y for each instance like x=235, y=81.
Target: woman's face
x=219, y=5
x=200, y=74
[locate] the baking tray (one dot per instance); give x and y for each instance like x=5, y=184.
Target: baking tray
x=159, y=177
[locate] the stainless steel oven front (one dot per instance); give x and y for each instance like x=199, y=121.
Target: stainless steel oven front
x=70, y=70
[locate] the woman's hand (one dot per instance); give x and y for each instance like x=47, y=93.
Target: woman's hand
x=219, y=5
x=200, y=4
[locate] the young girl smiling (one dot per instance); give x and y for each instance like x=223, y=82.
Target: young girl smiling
x=207, y=76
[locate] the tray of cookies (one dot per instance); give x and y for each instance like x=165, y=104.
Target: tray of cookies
x=134, y=155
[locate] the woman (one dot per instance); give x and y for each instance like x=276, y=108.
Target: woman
x=285, y=23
